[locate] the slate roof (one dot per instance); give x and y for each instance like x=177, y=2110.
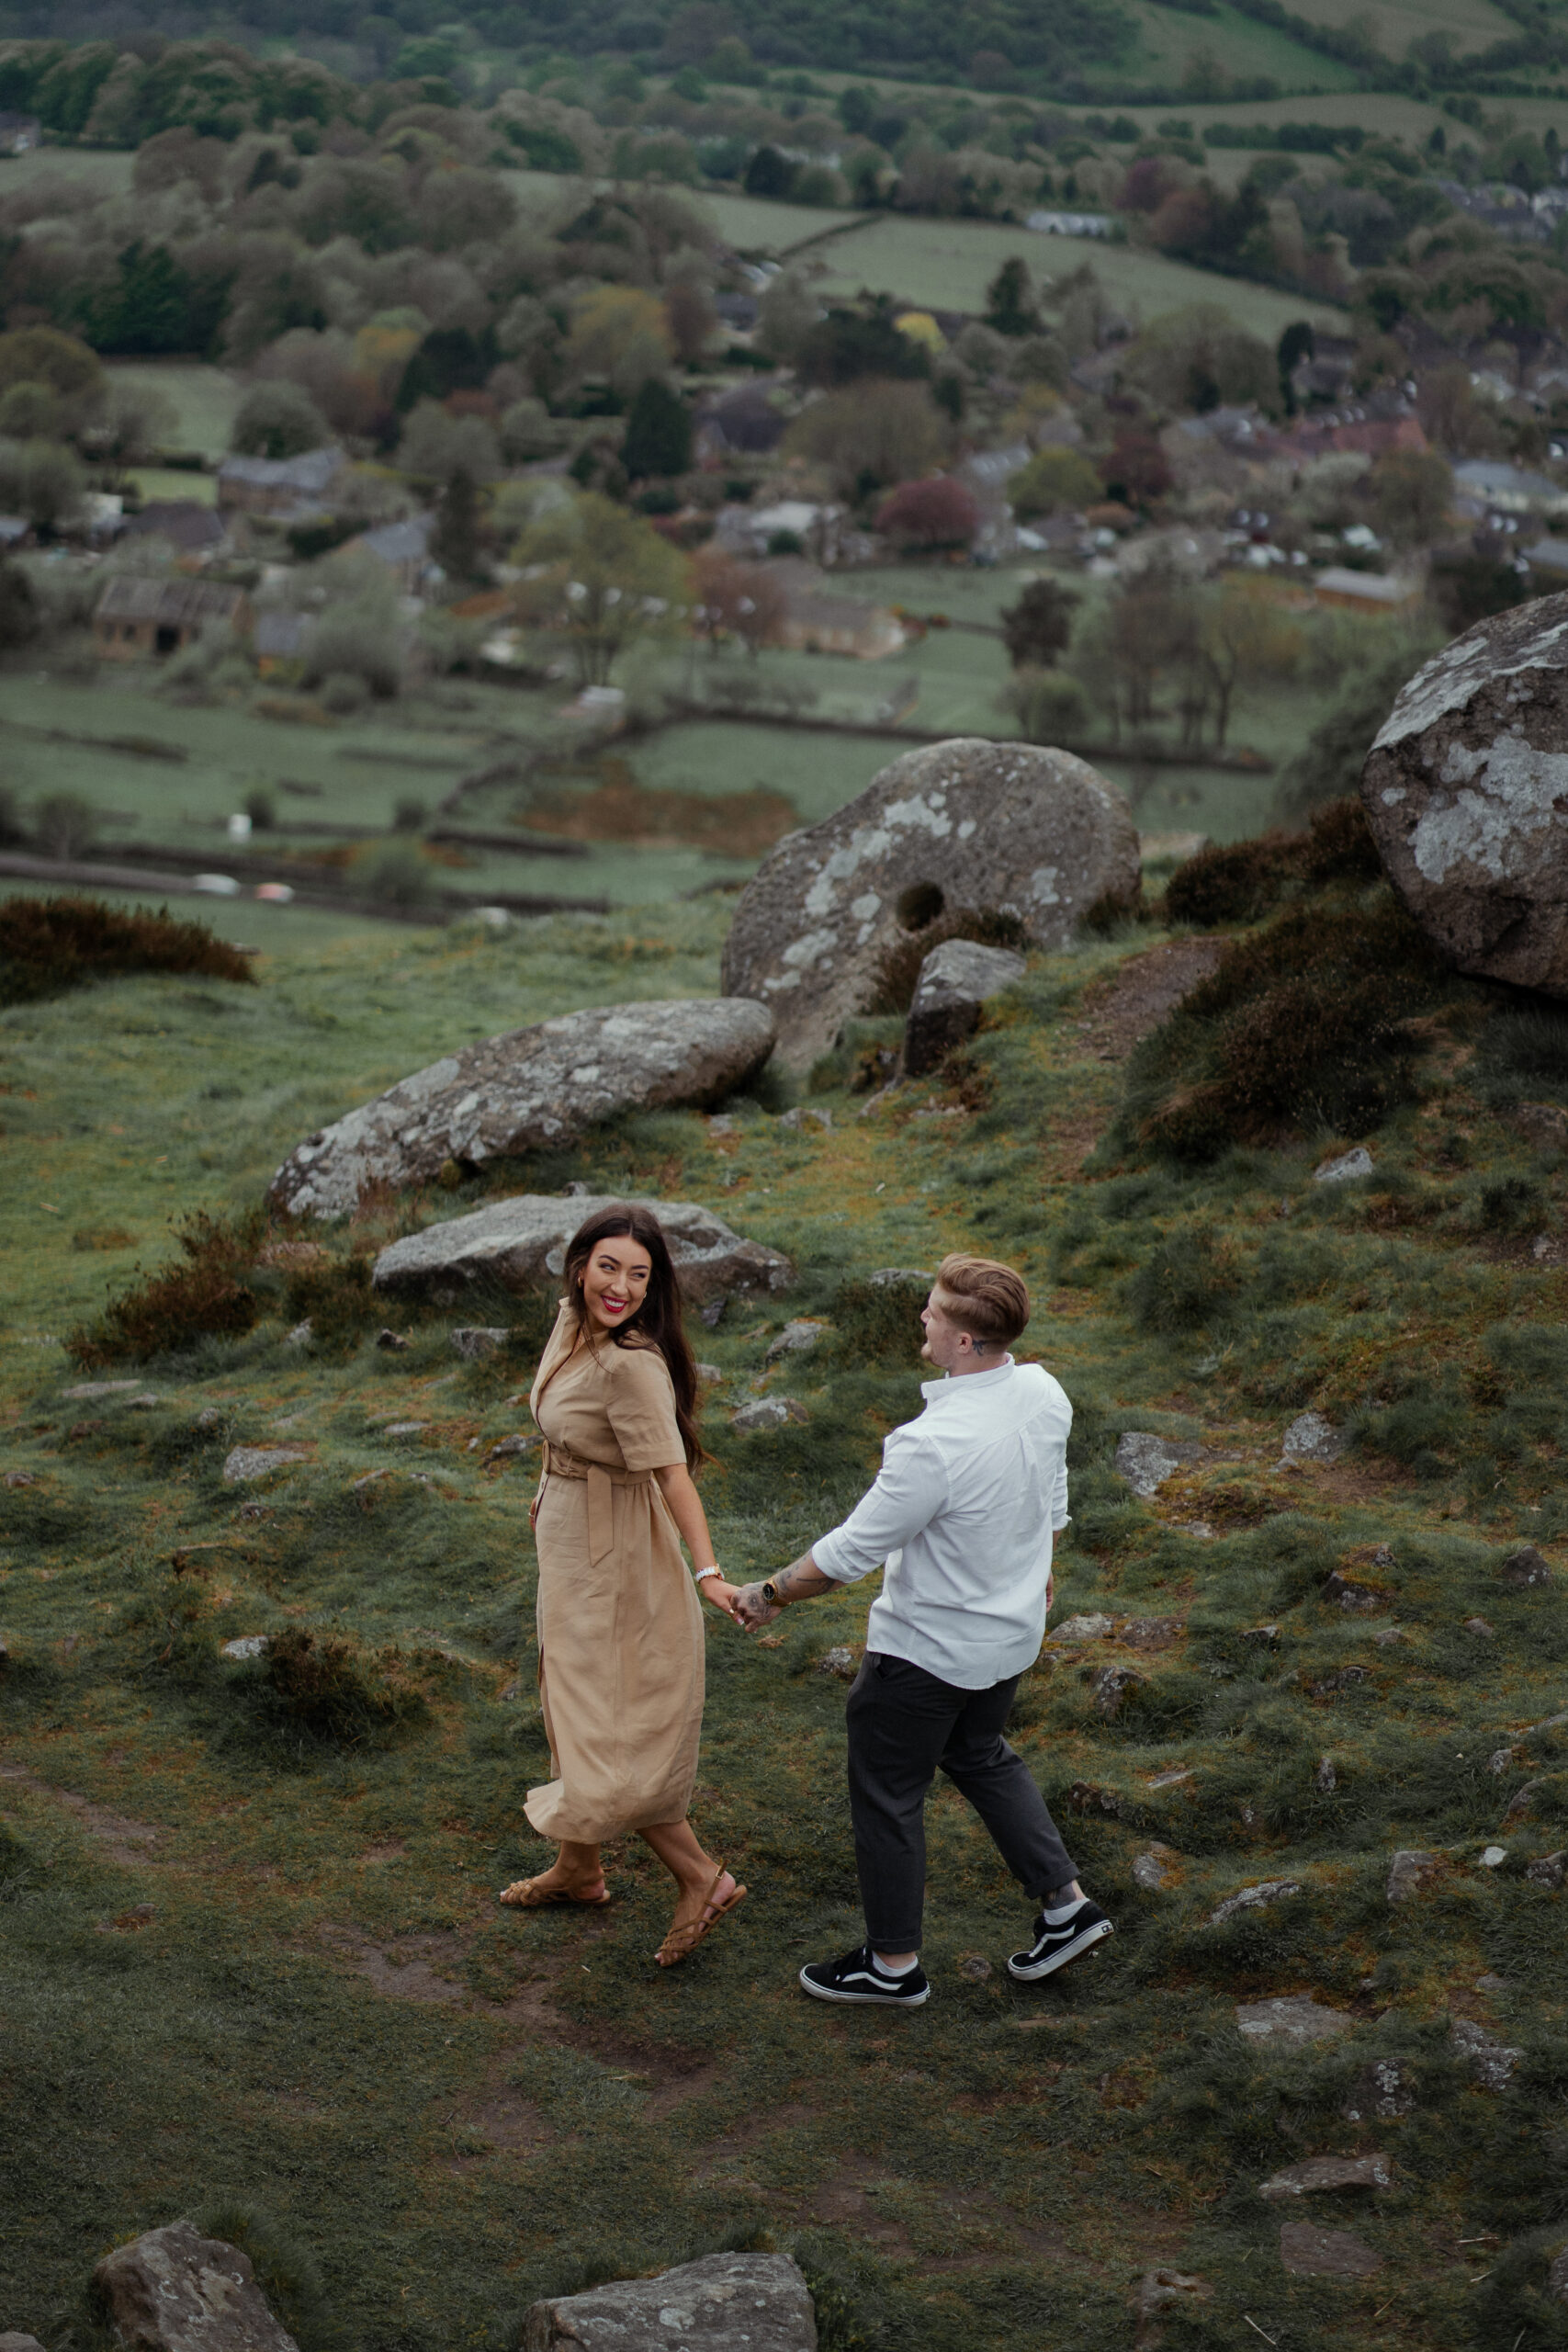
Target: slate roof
x=310, y=475
x=168, y=603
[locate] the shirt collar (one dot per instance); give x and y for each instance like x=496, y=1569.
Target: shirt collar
x=978, y=1381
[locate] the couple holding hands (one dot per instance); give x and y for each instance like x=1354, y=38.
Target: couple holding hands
x=963, y=1513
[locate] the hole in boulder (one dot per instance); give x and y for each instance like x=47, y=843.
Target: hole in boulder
x=921, y=904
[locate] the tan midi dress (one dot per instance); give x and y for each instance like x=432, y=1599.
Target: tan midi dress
x=619, y=1621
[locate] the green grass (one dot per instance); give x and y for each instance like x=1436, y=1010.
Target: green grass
x=1168, y=41
x=204, y=399
x=949, y=264
x=1470, y=24
x=106, y=172
x=546, y=2101
x=174, y=482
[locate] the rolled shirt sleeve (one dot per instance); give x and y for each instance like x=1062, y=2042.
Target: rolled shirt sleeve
x=1059, y=1511
x=910, y=1490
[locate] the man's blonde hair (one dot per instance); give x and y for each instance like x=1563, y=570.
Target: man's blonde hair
x=987, y=1300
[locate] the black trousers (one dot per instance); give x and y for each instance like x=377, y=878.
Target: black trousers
x=904, y=1726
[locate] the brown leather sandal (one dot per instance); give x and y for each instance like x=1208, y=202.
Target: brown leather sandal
x=527, y=1895
x=681, y=1941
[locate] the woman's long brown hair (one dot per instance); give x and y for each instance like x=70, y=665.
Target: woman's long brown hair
x=658, y=1320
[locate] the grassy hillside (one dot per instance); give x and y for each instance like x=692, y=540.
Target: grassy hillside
x=204, y=398
x=250, y=1953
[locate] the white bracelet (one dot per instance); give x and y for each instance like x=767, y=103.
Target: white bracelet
x=707, y=1572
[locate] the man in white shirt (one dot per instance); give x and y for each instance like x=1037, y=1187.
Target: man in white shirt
x=962, y=1512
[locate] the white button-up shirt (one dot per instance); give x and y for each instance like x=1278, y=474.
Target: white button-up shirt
x=964, y=1510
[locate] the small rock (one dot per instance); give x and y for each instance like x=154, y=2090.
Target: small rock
x=1494, y=1857
x=838, y=1661
x=768, y=1413
x=1087, y=1796
x=1346, y=1678
x=1556, y=2281
x=513, y=1690
x=369, y=1478
x=404, y=1428
x=1172, y=1779
x=173, y=2291
x=1346, y=1169
x=956, y=981
x=208, y=1417
x=473, y=1341
x=20, y=1478
x=709, y=1375
x=796, y=1338
x=803, y=1116
x=300, y=1336
x=882, y=1275
x=1525, y=1567
x=975, y=1968
x=393, y=1343
x=1111, y=1685
x=1159, y=2290
x=1548, y=1870
x=1411, y=1869
x=1092, y=1628
x=1268, y=1635
x=1326, y=1778
x=1156, y=1869
x=512, y=1449
x=11, y=2342
x=247, y=1461
x=1491, y=1983
x=1480, y=1630
x=247, y=1646
x=711, y=1315
x=1154, y=1633
x=1491, y=2062
x=1382, y=1557
x=699, y=2304
x=1145, y=1461
x=1308, y=2252
x=1311, y=1438
x=1347, y=1594
x=1380, y=2089
x=1316, y=2175
x=1255, y=1898
x=86, y=1388
x=1500, y=1758
x=1522, y=1799
x=1390, y=1634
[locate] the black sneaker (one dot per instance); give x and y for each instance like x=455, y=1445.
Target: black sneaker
x=857, y=1977
x=1053, y=1947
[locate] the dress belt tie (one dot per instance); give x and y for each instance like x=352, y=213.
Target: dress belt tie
x=560, y=1463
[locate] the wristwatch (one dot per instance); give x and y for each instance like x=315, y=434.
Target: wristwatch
x=772, y=1594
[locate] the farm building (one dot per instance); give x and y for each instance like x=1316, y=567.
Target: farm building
x=815, y=622
x=139, y=617
x=286, y=488
x=19, y=133
x=193, y=529
x=403, y=548
x=1508, y=489
x=1366, y=591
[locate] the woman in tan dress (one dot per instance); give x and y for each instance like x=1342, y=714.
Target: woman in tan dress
x=619, y=1626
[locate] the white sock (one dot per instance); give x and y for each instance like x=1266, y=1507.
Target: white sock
x=1058, y=1917
x=889, y=1969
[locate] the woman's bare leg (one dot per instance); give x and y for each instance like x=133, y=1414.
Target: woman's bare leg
x=679, y=1848
x=576, y=1871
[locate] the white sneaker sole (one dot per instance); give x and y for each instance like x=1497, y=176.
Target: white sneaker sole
x=1032, y=1970
x=864, y=2001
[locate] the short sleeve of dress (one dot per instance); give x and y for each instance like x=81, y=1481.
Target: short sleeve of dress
x=640, y=1402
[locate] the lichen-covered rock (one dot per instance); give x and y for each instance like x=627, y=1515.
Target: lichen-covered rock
x=521, y=1242
x=1291, y=2021
x=173, y=2291
x=1035, y=833
x=527, y=1090
x=1308, y=2252
x=1465, y=792
x=724, y=2300
x=957, y=980
x=1314, y=2174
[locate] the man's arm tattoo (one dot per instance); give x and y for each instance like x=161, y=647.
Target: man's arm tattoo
x=802, y=1580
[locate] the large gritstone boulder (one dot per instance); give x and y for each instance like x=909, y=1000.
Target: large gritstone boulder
x=173, y=2291
x=521, y=1243
x=968, y=824
x=530, y=1089
x=1466, y=790
x=723, y=2302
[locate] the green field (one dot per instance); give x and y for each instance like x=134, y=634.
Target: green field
x=1170, y=41
x=105, y=170
x=1395, y=24
x=204, y=398
x=949, y=264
